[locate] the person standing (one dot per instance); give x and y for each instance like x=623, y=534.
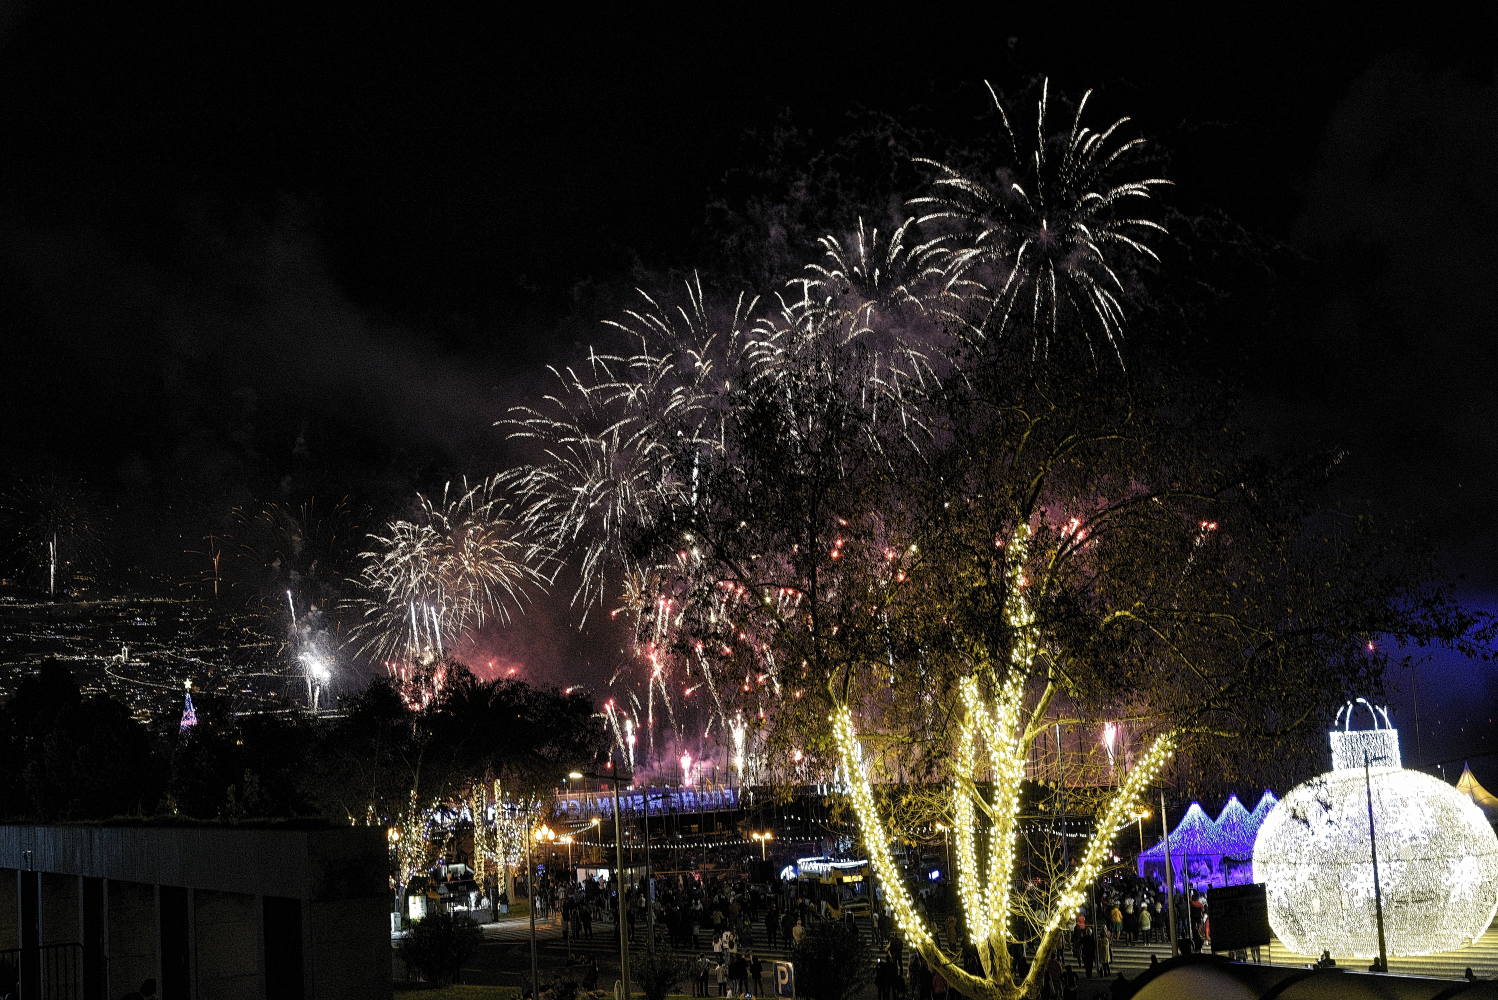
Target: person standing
x=883, y=976
x=738, y=972
x=722, y=980
x=797, y=933
x=772, y=924
x=1089, y=951
x=1105, y=954
x=1146, y=932
x=757, y=972
x=920, y=977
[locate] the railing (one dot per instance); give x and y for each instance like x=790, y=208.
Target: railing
x=62, y=972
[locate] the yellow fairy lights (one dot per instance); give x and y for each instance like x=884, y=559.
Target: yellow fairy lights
x=874, y=836
x=1120, y=813
x=985, y=896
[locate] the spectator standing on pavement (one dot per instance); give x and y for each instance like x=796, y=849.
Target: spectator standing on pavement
x=1105, y=953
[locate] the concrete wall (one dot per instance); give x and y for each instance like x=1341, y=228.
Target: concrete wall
x=60, y=909
x=228, y=945
x=341, y=862
x=188, y=906
x=10, y=902
x=131, y=940
x=347, y=938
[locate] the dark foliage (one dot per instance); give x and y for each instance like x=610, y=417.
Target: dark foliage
x=437, y=947
x=660, y=973
x=832, y=962
x=66, y=758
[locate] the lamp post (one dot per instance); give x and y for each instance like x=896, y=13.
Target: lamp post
x=763, y=839
x=619, y=867
x=1382, y=965
x=1141, y=816
x=1170, y=892
x=530, y=892
x=946, y=836
x=393, y=837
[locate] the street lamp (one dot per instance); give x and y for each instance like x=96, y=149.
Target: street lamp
x=530, y=891
x=614, y=780
x=763, y=839
x=1141, y=816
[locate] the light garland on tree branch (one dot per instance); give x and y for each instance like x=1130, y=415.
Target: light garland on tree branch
x=874, y=837
x=1118, y=815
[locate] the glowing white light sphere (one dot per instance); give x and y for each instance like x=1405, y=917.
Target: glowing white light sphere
x=1437, y=865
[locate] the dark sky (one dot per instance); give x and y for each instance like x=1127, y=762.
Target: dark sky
x=221, y=233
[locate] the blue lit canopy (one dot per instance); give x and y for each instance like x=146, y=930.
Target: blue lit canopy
x=1215, y=852
x=1233, y=829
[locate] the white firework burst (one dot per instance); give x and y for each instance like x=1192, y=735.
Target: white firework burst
x=435, y=579
x=612, y=436
x=1049, y=242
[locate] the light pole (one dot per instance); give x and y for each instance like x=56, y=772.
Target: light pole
x=1170, y=891
x=1382, y=964
x=763, y=838
x=530, y=892
x=1141, y=816
x=619, y=881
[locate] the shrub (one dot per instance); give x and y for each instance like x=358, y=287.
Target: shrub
x=659, y=974
x=832, y=962
x=437, y=946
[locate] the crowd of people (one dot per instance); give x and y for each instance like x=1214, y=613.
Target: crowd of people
x=726, y=919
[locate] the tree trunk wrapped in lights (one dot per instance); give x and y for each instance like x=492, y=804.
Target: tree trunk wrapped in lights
x=992, y=737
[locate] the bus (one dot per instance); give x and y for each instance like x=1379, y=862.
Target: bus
x=835, y=888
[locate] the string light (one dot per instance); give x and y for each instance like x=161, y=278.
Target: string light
x=986, y=900
x=1437, y=860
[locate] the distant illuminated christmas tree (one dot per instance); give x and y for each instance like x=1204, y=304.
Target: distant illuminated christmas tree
x=189, y=716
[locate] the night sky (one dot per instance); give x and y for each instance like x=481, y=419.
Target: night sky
x=276, y=256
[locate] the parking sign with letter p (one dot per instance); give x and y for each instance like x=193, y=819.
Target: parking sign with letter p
x=785, y=981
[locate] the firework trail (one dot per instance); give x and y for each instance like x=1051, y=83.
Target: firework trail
x=292, y=563
x=51, y=530
x=611, y=434
x=628, y=443
x=1049, y=244
x=434, y=580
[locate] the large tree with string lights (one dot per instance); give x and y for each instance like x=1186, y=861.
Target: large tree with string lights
x=917, y=510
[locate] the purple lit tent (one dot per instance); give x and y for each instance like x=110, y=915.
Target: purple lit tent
x=1237, y=839
x=1213, y=853
x=1256, y=818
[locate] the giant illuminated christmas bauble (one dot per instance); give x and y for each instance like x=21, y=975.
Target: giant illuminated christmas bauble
x=1437, y=857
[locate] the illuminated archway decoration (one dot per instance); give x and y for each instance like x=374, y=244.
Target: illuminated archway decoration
x=1437, y=858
